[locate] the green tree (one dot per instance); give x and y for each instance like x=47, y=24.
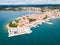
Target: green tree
x=12, y=24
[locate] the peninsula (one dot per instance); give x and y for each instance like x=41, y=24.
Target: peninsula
x=22, y=25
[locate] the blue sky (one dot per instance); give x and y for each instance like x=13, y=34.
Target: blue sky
x=29, y=1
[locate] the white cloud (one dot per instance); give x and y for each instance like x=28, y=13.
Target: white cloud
x=29, y=1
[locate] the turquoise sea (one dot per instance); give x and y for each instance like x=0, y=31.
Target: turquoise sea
x=45, y=34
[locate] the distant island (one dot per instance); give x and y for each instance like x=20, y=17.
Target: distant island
x=22, y=25
x=28, y=8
